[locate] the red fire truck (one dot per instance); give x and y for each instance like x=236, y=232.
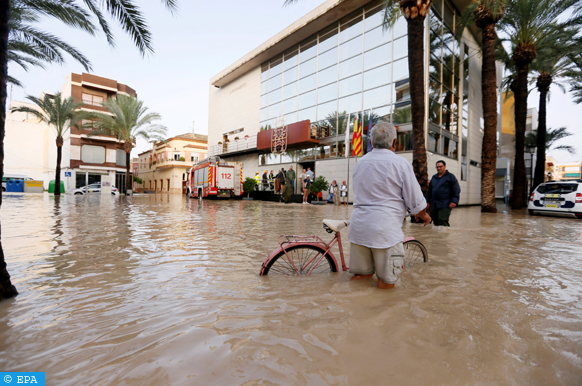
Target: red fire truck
x=213, y=177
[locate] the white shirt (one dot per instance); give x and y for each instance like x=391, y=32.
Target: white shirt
x=384, y=186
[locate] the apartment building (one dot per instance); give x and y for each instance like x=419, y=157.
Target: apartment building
x=89, y=158
x=163, y=168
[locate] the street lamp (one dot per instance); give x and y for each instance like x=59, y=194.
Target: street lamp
x=531, y=149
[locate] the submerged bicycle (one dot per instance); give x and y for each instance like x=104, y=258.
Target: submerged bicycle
x=304, y=255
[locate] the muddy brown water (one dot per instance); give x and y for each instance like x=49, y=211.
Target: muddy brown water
x=161, y=290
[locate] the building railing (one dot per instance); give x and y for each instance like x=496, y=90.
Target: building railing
x=233, y=146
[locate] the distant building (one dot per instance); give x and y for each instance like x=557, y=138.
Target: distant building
x=163, y=168
x=30, y=146
x=568, y=171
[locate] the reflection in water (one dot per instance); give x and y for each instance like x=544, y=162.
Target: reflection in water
x=155, y=290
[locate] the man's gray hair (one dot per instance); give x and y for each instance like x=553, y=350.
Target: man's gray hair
x=383, y=135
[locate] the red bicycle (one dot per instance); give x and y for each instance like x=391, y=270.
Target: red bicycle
x=304, y=255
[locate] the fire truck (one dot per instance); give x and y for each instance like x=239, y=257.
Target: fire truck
x=213, y=177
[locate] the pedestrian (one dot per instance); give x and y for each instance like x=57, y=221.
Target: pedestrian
x=287, y=192
x=277, y=184
x=384, y=187
x=336, y=193
x=265, y=181
x=443, y=194
x=302, y=177
x=344, y=193
x=306, y=184
x=257, y=180
x=310, y=173
x=330, y=198
x=272, y=180
x=291, y=177
x=281, y=178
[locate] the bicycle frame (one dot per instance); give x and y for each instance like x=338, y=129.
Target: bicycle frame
x=286, y=242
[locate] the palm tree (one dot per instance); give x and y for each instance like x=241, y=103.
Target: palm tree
x=527, y=27
x=124, y=11
x=129, y=120
x=552, y=136
x=414, y=11
x=58, y=113
x=27, y=45
x=553, y=66
x=485, y=14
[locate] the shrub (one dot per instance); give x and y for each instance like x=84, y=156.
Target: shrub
x=318, y=185
x=137, y=180
x=249, y=185
x=182, y=159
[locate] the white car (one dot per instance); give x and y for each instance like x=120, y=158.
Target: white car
x=557, y=197
x=92, y=189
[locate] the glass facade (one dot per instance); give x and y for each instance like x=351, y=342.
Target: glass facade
x=356, y=69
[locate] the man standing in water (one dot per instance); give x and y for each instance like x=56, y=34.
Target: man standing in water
x=443, y=194
x=384, y=187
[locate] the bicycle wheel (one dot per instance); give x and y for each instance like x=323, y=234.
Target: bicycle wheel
x=304, y=258
x=414, y=253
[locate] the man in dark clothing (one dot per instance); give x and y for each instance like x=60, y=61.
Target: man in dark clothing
x=443, y=194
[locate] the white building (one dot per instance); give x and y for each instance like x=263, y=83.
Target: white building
x=335, y=64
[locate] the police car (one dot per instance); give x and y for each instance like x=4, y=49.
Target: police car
x=557, y=197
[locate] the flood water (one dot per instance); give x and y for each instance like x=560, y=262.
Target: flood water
x=161, y=290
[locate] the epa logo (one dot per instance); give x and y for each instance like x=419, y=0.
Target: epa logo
x=21, y=379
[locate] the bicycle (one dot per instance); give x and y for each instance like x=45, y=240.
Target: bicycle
x=304, y=255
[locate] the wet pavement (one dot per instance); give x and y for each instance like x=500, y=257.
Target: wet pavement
x=161, y=290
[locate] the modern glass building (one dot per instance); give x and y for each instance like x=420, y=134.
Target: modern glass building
x=350, y=69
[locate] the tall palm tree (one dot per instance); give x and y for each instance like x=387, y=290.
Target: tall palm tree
x=485, y=14
x=124, y=11
x=58, y=113
x=527, y=27
x=553, y=66
x=130, y=120
x=415, y=12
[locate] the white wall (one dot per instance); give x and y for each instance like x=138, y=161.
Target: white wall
x=235, y=106
x=30, y=147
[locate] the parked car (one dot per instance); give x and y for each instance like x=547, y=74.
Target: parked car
x=92, y=189
x=18, y=177
x=557, y=197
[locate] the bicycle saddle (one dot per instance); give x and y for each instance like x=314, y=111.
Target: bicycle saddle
x=334, y=225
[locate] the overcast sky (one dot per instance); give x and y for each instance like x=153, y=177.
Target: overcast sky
x=192, y=46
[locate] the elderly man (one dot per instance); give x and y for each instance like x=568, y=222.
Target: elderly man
x=384, y=187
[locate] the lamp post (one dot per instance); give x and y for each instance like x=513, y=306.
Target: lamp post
x=531, y=149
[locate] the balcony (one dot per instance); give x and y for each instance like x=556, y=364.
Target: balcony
x=233, y=147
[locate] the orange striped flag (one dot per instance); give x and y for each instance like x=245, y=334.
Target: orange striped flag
x=357, y=139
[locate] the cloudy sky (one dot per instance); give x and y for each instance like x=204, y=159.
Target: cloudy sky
x=192, y=46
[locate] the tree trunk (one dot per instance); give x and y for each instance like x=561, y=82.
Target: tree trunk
x=128, y=179
x=416, y=71
x=519, y=177
x=7, y=290
x=489, y=100
x=58, y=168
x=540, y=170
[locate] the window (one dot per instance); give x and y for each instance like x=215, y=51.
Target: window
x=176, y=156
x=120, y=157
x=93, y=154
x=93, y=100
x=193, y=159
